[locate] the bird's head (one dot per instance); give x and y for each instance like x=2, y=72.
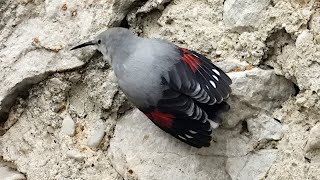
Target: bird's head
x=109, y=42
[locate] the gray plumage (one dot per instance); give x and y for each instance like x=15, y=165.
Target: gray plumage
x=135, y=62
x=175, y=87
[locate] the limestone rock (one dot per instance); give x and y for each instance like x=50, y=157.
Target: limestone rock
x=252, y=166
x=305, y=37
x=141, y=147
x=39, y=45
x=34, y=52
x=138, y=140
x=96, y=135
x=255, y=91
x=264, y=127
x=7, y=173
x=36, y=142
x=314, y=138
x=314, y=22
x=244, y=15
x=68, y=125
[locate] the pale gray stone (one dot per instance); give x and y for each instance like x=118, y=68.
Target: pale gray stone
x=314, y=138
x=68, y=125
x=252, y=166
x=241, y=15
x=7, y=173
x=264, y=127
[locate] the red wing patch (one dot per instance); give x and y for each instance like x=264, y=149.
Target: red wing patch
x=190, y=59
x=160, y=118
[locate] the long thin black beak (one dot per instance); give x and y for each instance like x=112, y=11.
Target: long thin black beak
x=83, y=45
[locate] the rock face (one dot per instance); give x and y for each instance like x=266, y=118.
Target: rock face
x=150, y=153
x=8, y=173
x=314, y=138
x=63, y=117
x=244, y=15
x=37, y=44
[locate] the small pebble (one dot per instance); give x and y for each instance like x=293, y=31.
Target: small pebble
x=218, y=52
x=314, y=138
x=304, y=37
x=238, y=47
x=75, y=155
x=50, y=129
x=257, y=53
x=68, y=125
x=96, y=136
x=112, y=77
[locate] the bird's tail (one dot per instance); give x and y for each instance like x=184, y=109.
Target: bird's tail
x=215, y=111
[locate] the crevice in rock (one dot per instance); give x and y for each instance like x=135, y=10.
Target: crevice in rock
x=277, y=120
x=265, y=66
x=112, y=166
x=274, y=45
x=133, y=6
x=272, y=3
x=296, y=88
x=307, y=159
x=124, y=23
x=266, y=144
x=244, y=127
x=10, y=165
x=19, y=90
x=136, y=17
x=7, y=163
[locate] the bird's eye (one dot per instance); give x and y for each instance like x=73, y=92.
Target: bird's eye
x=99, y=41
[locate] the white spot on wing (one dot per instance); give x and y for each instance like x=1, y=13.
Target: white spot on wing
x=213, y=84
x=199, y=113
x=190, y=137
x=195, y=55
x=196, y=91
x=206, y=100
x=216, y=71
x=214, y=125
x=220, y=101
x=182, y=137
x=190, y=110
x=215, y=77
x=200, y=95
x=214, y=101
x=198, y=88
x=195, y=112
x=192, y=132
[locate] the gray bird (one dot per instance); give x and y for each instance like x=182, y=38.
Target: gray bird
x=179, y=90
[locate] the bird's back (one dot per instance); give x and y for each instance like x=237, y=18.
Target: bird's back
x=141, y=73
x=180, y=90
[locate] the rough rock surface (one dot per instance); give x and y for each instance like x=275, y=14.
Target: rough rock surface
x=271, y=49
x=314, y=138
x=8, y=172
x=140, y=147
x=36, y=37
x=244, y=15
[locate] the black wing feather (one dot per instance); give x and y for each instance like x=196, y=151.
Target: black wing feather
x=193, y=100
